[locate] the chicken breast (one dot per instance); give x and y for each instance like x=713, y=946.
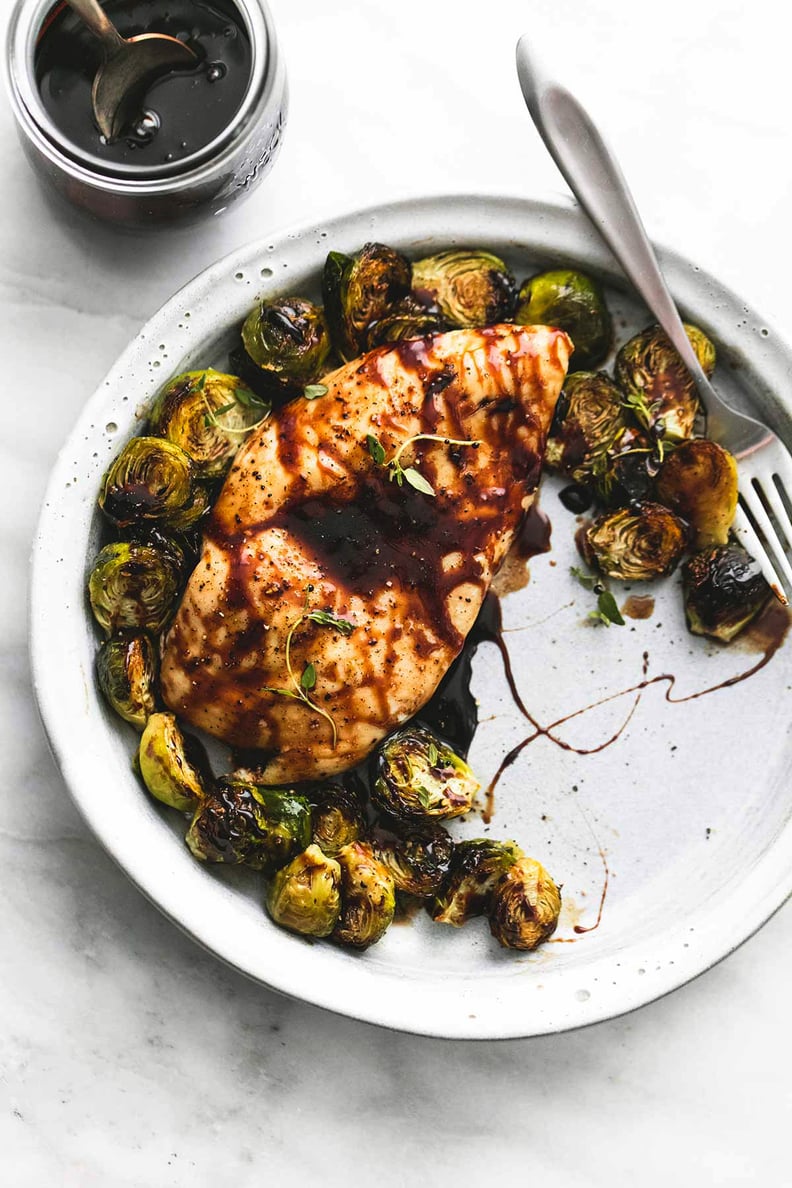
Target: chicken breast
x=309, y=521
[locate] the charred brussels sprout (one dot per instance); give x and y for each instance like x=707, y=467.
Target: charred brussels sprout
x=126, y=668
x=418, y=775
x=469, y=287
x=245, y=823
x=724, y=590
x=190, y=516
x=288, y=341
x=150, y=480
x=658, y=387
x=362, y=289
x=699, y=482
x=207, y=413
x=304, y=896
x=525, y=906
x=408, y=318
x=626, y=473
x=368, y=896
x=574, y=303
x=418, y=860
x=635, y=543
x=133, y=585
x=476, y=865
x=589, y=419
x=173, y=765
x=337, y=818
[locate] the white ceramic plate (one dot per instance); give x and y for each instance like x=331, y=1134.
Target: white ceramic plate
x=691, y=805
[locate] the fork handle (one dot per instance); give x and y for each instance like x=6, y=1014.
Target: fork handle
x=595, y=178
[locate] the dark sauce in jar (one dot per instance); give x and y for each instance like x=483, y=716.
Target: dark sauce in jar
x=182, y=112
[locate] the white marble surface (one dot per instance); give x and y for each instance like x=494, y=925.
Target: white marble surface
x=127, y=1055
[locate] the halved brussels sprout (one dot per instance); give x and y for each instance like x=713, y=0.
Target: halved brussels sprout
x=635, y=543
x=337, y=818
x=659, y=388
x=573, y=302
x=418, y=859
x=408, y=318
x=525, y=906
x=173, y=765
x=288, y=341
x=588, y=421
x=418, y=775
x=368, y=896
x=193, y=512
x=133, y=585
x=724, y=590
x=246, y=823
x=358, y=290
x=469, y=287
x=699, y=482
x=476, y=865
x=304, y=896
x=626, y=473
x=207, y=413
x=150, y=480
x=126, y=668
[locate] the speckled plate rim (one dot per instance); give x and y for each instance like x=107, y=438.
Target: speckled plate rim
x=492, y=1007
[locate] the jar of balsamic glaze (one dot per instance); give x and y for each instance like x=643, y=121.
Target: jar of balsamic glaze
x=204, y=138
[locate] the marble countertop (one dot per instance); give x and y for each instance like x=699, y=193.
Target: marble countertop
x=130, y=1057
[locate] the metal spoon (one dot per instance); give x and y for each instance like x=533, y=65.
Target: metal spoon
x=130, y=65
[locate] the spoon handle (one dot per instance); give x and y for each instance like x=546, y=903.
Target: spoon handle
x=594, y=177
x=94, y=18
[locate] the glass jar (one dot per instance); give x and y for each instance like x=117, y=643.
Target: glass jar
x=206, y=182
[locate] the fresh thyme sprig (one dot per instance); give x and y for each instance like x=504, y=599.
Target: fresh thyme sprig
x=408, y=474
x=607, y=611
x=306, y=682
x=242, y=396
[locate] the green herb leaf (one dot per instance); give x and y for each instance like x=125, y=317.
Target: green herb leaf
x=417, y=480
x=433, y=755
x=375, y=448
x=201, y=384
x=327, y=619
x=313, y=391
x=589, y=580
x=281, y=692
x=308, y=678
x=606, y=605
x=425, y=797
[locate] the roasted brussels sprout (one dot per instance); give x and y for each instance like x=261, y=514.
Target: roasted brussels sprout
x=126, y=668
x=626, y=473
x=304, y=896
x=525, y=906
x=173, y=765
x=195, y=510
x=337, y=818
x=724, y=590
x=418, y=859
x=635, y=543
x=150, y=480
x=476, y=865
x=418, y=775
x=133, y=585
x=408, y=318
x=658, y=387
x=469, y=287
x=246, y=823
x=358, y=290
x=573, y=302
x=368, y=896
x=289, y=342
x=589, y=419
x=699, y=482
x=207, y=413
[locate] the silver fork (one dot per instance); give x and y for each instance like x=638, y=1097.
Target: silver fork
x=762, y=522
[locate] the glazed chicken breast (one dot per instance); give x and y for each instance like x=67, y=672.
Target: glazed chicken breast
x=311, y=519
